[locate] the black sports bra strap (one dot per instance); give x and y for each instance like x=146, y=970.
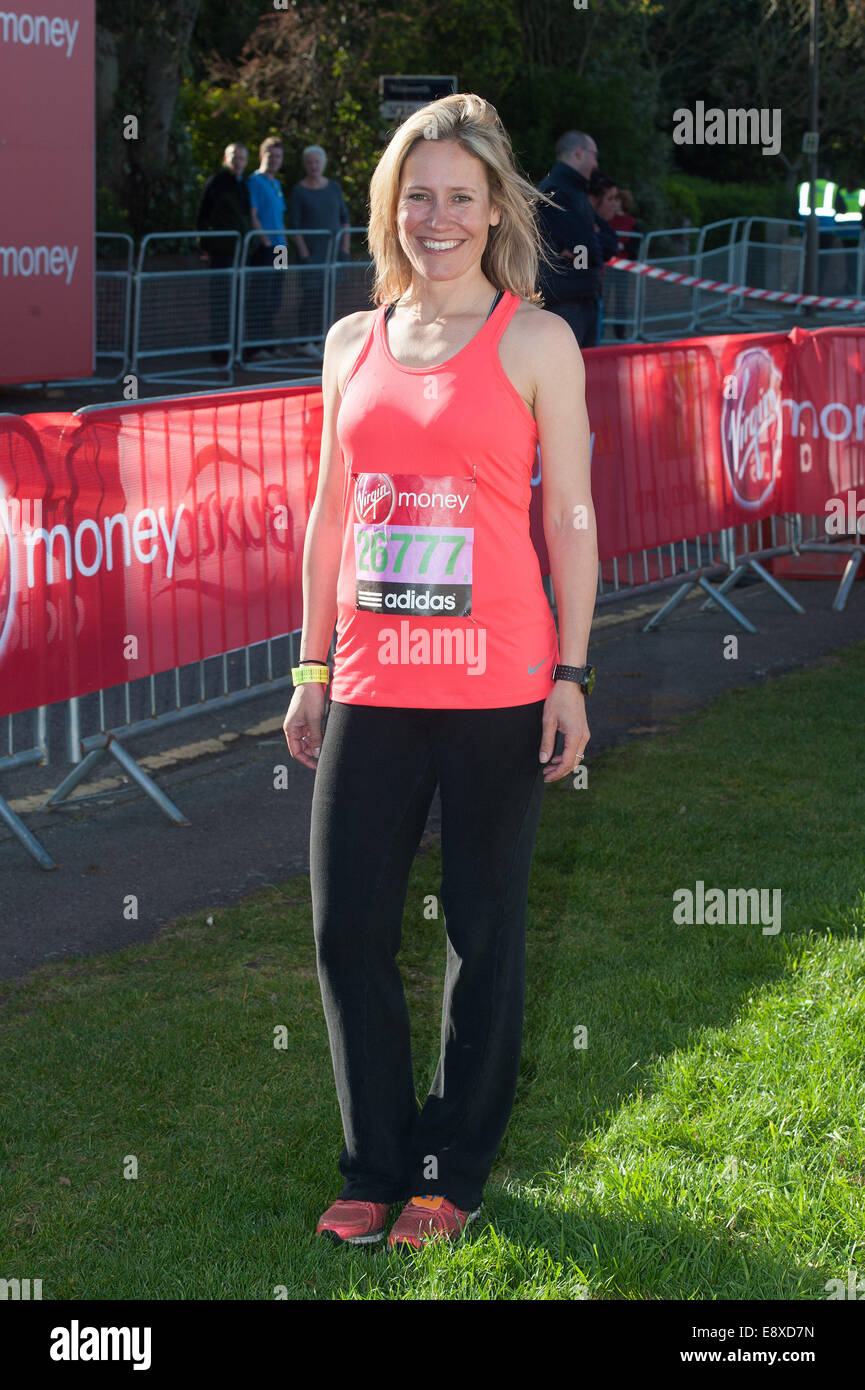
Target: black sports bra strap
x=390, y=308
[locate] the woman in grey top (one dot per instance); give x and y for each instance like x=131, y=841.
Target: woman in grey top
x=316, y=202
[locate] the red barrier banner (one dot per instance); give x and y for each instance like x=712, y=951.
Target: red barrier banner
x=687, y=437
x=149, y=535
x=47, y=157
x=825, y=417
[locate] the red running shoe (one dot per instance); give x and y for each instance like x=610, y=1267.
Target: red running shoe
x=429, y=1218
x=354, y=1223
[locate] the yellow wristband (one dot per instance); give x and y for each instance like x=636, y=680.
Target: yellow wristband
x=303, y=675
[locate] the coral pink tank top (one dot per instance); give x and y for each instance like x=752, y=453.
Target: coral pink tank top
x=440, y=602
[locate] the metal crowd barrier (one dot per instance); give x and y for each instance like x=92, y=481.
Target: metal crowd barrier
x=97, y=724
x=772, y=260
x=818, y=542
x=26, y=733
x=693, y=563
x=351, y=284
x=33, y=748
x=136, y=707
x=718, y=258
x=688, y=563
x=840, y=270
x=622, y=293
x=283, y=310
x=176, y=317
x=183, y=309
x=668, y=309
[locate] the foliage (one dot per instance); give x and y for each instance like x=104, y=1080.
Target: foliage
x=199, y=73
x=216, y=116
x=703, y=201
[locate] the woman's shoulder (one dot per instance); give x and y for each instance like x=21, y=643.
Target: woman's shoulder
x=536, y=325
x=345, y=339
x=535, y=344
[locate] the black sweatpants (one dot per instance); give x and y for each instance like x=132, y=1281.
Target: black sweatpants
x=375, y=780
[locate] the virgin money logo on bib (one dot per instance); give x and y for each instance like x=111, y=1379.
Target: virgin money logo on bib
x=374, y=498
x=752, y=426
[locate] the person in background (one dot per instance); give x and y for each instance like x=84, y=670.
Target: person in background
x=269, y=204
x=604, y=198
x=628, y=230
x=570, y=292
x=316, y=202
x=224, y=207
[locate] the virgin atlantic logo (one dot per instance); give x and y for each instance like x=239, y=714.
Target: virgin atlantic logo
x=751, y=426
x=374, y=498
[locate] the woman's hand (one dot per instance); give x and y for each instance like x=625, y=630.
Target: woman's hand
x=565, y=709
x=302, y=724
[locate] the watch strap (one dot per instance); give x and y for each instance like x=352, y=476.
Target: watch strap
x=584, y=676
x=308, y=674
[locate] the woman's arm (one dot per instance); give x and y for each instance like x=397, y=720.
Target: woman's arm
x=321, y=557
x=569, y=515
x=323, y=543
x=569, y=526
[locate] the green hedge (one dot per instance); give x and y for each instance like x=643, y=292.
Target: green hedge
x=699, y=201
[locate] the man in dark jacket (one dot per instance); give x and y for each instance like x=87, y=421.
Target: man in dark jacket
x=573, y=293
x=225, y=207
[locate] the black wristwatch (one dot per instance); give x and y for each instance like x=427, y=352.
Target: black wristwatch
x=583, y=675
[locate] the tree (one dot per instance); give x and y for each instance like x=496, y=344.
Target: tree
x=142, y=50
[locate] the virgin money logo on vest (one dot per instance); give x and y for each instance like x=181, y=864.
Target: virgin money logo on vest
x=751, y=426
x=374, y=498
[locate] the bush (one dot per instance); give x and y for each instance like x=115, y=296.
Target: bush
x=701, y=201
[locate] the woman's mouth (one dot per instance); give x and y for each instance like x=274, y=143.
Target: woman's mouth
x=438, y=247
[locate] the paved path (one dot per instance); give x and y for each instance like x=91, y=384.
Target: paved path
x=245, y=835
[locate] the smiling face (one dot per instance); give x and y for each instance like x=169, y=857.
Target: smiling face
x=443, y=211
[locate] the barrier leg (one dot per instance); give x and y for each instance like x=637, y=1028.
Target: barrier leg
x=71, y=782
x=671, y=604
x=29, y=841
x=730, y=582
x=147, y=784
x=779, y=589
x=717, y=597
x=129, y=765
x=850, y=571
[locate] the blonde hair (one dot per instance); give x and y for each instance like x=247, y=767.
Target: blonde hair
x=514, y=246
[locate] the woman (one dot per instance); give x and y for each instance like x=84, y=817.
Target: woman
x=629, y=233
x=604, y=198
x=418, y=544
x=316, y=203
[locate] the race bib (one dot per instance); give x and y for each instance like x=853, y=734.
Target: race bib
x=413, y=543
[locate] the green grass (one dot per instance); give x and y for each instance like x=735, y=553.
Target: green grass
x=708, y=1142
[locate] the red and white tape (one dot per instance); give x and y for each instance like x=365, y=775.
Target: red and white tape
x=720, y=287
